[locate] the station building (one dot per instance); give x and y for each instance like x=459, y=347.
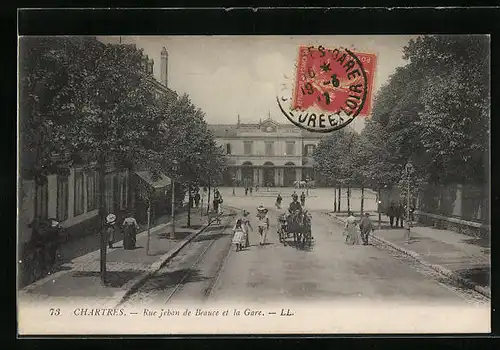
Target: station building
x=267, y=153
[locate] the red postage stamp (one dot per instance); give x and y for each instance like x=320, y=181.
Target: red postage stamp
x=331, y=88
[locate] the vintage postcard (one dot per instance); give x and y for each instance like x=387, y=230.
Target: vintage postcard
x=175, y=185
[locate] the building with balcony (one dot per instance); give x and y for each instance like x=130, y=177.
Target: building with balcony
x=267, y=153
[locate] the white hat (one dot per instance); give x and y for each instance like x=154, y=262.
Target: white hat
x=110, y=218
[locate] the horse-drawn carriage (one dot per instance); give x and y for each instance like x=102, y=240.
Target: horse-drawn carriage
x=297, y=225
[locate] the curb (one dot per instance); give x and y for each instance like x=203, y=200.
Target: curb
x=132, y=286
x=440, y=269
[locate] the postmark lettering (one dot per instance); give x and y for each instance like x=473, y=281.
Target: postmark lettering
x=331, y=88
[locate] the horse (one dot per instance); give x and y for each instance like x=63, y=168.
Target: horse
x=299, y=223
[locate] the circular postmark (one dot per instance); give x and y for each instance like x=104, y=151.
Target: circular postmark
x=329, y=90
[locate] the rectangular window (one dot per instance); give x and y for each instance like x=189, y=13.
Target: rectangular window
x=97, y=180
x=123, y=191
x=78, y=193
x=290, y=148
x=41, y=204
x=62, y=198
x=92, y=191
x=269, y=148
x=108, y=193
x=309, y=150
x=228, y=148
x=247, y=147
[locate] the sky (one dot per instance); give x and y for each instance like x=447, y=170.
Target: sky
x=230, y=75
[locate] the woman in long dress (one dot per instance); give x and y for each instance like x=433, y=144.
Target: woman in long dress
x=351, y=231
x=245, y=223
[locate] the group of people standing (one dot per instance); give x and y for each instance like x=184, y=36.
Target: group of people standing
x=295, y=198
x=397, y=213
x=250, y=190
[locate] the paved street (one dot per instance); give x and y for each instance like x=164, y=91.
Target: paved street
x=329, y=270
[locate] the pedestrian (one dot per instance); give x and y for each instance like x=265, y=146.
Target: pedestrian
x=294, y=194
x=263, y=223
x=279, y=199
x=303, y=199
x=110, y=229
x=251, y=190
x=219, y=207
x=400, y=212
x=239, y=235
x=391, y=213
x=246, y=191
x=366, y=226
x=246, y=226
x=407, y=227
x=294, y=205
x=257, y=188
x=215, y=203
x=130, y=229
x=197, y=198
x=412, y=211
x=351, y=231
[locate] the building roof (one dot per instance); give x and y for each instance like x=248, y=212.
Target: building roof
x=231, y=130
x=159, y=182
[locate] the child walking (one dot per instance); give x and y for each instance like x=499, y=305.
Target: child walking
x=239, y=235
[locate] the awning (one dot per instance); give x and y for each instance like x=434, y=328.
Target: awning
x=159, y=182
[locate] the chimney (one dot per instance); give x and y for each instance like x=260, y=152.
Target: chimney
x=164, y=66
x=238, y=119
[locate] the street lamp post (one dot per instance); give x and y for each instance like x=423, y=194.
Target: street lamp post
x=174, y=169
x=379, y=201
x=408, y=169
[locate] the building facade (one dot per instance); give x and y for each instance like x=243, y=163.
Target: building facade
x=72, y=197
x=267, y=153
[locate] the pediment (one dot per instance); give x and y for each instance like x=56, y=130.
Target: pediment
x=268, y=126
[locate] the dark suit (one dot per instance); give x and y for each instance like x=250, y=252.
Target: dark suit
x=294, y=206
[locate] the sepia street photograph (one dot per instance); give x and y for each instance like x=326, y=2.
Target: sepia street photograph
x=253, y=184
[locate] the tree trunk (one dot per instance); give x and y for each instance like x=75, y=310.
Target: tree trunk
x=189, y=205
x=130, y=192
x=208, y=200
x=102, y=215
x=340, y=193
x=334, y=200
x=378, y=209
x=362, y=199
x=349, y=200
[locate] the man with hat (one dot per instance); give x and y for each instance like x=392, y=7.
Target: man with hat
x=263, y=223
x=366, y=226
x=111, y=229
x=294, y=205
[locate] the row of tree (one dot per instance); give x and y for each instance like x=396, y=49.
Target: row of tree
x=433, y=112
x=90, y=102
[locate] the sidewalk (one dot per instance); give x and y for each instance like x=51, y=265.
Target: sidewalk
x=80, y=278
x=462, y=258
